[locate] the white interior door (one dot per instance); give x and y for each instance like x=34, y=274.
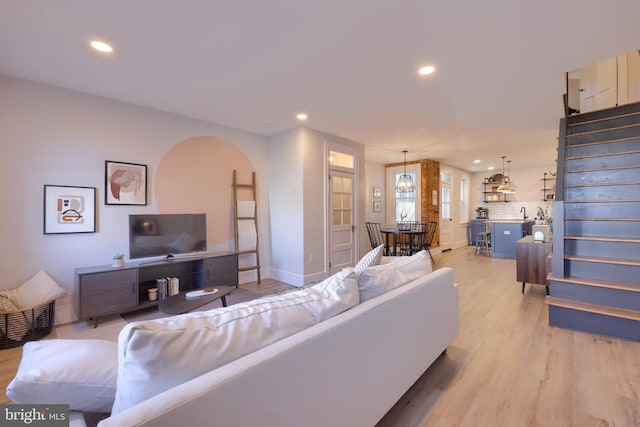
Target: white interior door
x=446, y=219
x=342, y=228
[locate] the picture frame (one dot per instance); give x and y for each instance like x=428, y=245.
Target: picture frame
x=125, y=183
x=377, y=192
x=69, y=209
x=377, y=206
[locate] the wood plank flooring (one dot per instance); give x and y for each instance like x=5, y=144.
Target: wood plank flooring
x=507, y=367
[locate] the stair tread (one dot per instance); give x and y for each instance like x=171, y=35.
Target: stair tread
x=600, y=219
x=612, y=168
x=604, y=239
x=602, y=200
x=608, y=141
x=609, y=129
x=603, y=260
x=602, y=184
x=604, y=119
x=610, y=284
x=593, y=308
x=593, y=156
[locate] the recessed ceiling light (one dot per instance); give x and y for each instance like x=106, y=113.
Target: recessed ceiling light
x=101, y=46
x=476, y=161
x=426, y=70
x=301, y=116
x=491, y=168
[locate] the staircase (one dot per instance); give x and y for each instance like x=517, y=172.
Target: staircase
x=595, y=278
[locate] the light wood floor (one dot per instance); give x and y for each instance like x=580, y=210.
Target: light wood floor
x=507, y=367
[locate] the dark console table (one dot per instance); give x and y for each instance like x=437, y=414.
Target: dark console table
x=532, y=263
x=104, y=290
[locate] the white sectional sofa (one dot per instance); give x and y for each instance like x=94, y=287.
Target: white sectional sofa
x=346, y=370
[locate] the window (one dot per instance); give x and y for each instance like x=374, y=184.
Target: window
x=445, y=195
x=464, y=199
x=342, y=160
x=405, y=202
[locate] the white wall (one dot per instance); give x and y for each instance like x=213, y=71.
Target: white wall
x=54, y=136
x=286, y=198
x=374, y=177
x=528, y=195
x=298, y=161
x=527, y=182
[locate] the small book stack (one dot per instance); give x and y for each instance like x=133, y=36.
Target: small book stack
x=167, y=287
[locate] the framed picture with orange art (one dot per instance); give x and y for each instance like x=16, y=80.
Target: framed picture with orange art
x=125, y=183
x=69, y=209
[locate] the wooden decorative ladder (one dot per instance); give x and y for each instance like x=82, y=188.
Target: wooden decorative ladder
x=595, y=278
x=246, y=214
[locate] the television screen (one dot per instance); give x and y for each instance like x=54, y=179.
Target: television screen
x=166, y=234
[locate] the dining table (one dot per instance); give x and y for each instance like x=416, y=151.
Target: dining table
x=394, y=234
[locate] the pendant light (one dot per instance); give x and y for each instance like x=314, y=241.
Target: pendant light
x=505, y=186
x=405, y=182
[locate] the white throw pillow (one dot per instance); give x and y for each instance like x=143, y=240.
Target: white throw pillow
x=372, y=258
x=156, y=355
x=379, y=279
x=37, y=290
x=79, y=373
x=330, y=297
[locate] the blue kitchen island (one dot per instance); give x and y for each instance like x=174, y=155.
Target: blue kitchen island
x=505, y=235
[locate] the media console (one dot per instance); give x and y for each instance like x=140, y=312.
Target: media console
x=104, y=290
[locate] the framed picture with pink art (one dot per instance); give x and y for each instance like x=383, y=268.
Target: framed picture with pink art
x=125, y=183
x=69, y=209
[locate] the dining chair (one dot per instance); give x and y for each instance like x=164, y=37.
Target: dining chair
x=427, y=240
x=375, y=235
x=409, y=242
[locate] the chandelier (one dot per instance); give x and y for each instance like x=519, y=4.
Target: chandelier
x=405, y=182
x=505, y=186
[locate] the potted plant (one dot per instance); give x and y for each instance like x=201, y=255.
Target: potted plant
x=118, y=260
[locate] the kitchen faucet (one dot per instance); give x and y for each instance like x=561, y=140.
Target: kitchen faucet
x=523, y=209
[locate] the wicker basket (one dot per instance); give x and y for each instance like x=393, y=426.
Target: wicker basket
x=28, y=324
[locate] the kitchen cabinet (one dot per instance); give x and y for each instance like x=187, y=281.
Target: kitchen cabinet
x=504, y=236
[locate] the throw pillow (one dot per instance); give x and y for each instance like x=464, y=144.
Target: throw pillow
x=37, y=290
x=379, y=279
x=372, y=258
x=156, y=355
x=79, y=373
x=328, y=298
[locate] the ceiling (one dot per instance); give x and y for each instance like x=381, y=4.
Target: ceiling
x=349, y=64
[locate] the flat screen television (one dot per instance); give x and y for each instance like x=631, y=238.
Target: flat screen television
x=166, y=234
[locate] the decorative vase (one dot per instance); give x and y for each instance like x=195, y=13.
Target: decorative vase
x=118, y=262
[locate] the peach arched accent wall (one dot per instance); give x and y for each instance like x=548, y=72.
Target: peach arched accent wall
x=196, y=176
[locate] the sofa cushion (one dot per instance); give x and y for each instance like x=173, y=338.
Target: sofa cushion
x=80, y=373
x=372, y=258
x=379, y=279
x=156, y=355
